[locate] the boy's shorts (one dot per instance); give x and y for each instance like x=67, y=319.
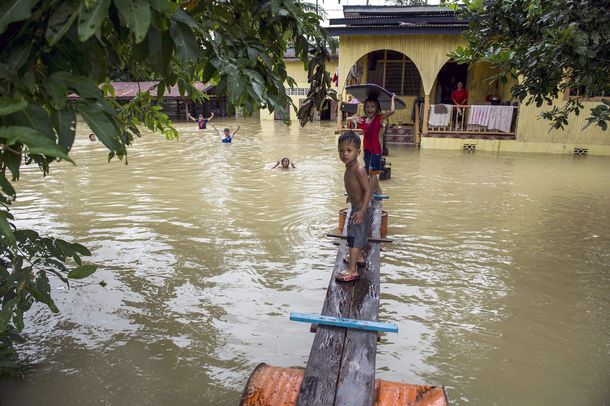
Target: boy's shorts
x=372, y=163
x=358, y=234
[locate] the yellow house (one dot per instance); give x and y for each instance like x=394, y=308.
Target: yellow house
x=295, y=69
x=404, y=49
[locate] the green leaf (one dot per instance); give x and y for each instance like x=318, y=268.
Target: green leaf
x=163, y=6
x=15, y=10
x=61, y=21
x=104, y=128
x=64, y=122
x=9, y=105
x=80, y=84
x=81, y=249
x=91, y=16
x=5, y=228
x=36, y=142
x=35, y=117
x=58, y=90
x=235, y=86
x=65, y=247
x=7, y=312
x=136, y=15
x=181, y=16
x=103, y=284
x=82, y=271
x=7, y=188
x=160, y=46
x=184, y=39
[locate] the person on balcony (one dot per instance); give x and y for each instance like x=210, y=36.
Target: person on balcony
x=459, y=97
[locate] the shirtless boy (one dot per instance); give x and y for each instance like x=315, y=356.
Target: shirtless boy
x=359, y=194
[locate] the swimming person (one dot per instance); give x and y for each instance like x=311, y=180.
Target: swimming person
x=285, y=164
x=202, y=121
x=226, y=135
x=358, y=192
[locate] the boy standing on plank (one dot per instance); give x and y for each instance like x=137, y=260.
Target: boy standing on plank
x=358, y=192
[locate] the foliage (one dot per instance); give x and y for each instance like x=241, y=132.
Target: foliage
x=55, y=63
x=551, y=46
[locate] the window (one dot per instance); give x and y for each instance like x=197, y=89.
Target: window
x=395, y=72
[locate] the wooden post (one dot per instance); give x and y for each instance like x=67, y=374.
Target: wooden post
x=339, y=115
x=416, y=129
x=426, y=115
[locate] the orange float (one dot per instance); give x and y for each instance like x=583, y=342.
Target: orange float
x=276, y=386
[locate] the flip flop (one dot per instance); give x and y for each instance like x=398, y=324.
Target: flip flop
x=360, y=264
x=347, y=276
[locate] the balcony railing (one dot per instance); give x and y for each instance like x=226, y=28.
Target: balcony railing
x=473, y=120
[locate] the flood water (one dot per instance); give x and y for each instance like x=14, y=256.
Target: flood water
x=499, y=277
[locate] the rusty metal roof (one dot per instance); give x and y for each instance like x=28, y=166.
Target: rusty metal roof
x=128, y=90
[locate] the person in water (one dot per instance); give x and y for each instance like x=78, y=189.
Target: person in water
x=285, y=164
x=371, y=126
x=202, y=121
x=358, y=192
x=226, y=135
x=92, y=137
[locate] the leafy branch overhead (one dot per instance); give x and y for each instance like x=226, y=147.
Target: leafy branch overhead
x=55, y=62
x=553, y=47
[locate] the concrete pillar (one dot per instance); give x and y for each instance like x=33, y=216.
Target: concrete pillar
x=426, y=115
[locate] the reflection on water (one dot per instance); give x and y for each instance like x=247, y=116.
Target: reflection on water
x=498, y=277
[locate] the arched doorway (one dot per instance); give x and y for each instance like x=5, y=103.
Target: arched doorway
x=397, y=73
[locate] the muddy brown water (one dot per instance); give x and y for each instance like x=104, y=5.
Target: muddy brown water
x=499, y=277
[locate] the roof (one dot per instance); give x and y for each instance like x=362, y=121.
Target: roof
x=129, y=90
x=384, y=20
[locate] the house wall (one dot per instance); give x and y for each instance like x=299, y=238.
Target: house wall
x=429, y=53
x=296, y=70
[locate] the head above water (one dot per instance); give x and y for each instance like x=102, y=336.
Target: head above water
x=285, y=162
x=371, y=106
x=349, y=137
x=227, y=130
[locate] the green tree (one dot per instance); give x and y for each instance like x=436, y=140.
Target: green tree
x=53, y=49
x=550, y=46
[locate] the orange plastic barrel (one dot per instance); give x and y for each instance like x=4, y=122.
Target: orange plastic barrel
x=275, y=386
x=384, y=221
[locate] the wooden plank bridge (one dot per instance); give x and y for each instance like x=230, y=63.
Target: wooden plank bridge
x=340, y=370
x=341, y=365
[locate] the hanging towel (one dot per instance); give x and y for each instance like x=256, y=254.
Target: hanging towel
x=440, y=115
x=479, y=115
x=501, y=118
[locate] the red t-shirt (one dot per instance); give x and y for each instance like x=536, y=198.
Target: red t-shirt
x=459, y=95
x=371, y=134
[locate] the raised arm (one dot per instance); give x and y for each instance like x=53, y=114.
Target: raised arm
x=276, y=165
x=190, y=117
x=392, y=108
x=211, y=117
x=235, y=131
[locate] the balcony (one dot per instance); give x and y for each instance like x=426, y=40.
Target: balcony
x=472, y=121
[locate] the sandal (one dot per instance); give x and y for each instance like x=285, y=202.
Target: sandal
x=347, y=276
x=360, y=264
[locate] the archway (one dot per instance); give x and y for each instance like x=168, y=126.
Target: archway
x=397, y=73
